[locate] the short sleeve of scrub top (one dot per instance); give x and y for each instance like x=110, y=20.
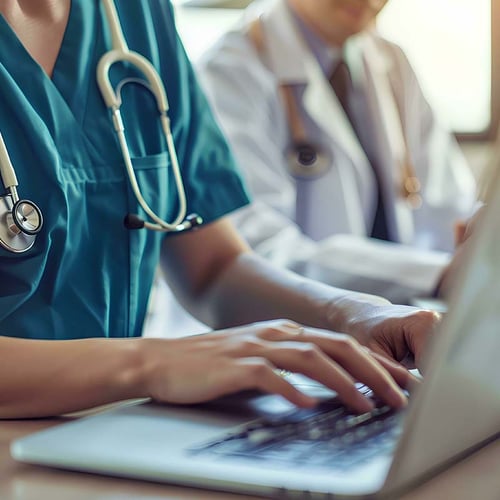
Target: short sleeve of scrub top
x=87, y=275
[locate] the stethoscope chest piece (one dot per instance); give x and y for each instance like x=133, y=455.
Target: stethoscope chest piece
x=19, y=223
x=307, y=161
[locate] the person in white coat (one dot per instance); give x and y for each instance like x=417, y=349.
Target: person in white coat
x=331, y=181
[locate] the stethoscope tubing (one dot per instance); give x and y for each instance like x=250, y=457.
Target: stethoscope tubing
x=121, y=53
x=25, y=214
x=163, y=225
x=7, y=171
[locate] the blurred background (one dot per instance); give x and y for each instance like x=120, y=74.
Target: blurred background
x=464, y=33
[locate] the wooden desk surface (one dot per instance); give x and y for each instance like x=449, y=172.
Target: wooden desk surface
x=475, y=478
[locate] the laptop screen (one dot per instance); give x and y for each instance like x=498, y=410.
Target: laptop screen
x=460, y=406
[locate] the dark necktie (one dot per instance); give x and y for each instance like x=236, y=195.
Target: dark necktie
x=341, y=83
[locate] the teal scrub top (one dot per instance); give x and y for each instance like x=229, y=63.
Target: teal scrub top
x=87, y=275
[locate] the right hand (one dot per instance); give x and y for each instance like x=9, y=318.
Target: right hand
x=203, y=367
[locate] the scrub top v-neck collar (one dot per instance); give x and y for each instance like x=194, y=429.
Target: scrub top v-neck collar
x=71, y=65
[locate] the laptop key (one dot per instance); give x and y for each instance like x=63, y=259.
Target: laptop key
x=326, y=436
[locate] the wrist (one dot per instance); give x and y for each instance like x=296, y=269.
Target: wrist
x=345, y=313
x=131, y=379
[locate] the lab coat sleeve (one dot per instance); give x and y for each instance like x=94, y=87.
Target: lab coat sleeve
x=245, y=100
x=395, y=271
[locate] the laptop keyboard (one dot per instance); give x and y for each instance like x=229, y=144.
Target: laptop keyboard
x=327, y=436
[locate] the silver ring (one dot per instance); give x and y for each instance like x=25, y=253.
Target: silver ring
x=300, y=330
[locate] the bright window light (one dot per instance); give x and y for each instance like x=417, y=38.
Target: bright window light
x=449, y=45
x=200, y=27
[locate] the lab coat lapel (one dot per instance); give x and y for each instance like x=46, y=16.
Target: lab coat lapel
x=323, y=106
x=291, y=61
x=390, y=139
x=321, y=103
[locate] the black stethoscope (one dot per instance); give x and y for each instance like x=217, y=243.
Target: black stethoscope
x=21, y=220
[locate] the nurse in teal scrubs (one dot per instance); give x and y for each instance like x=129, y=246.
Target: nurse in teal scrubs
x=88, y=277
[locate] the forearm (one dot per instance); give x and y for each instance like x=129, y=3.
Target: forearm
x=44, y=378
x=392, y=270
x=270, y=293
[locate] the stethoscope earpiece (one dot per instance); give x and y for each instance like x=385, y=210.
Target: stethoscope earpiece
x=133, y=221
x=21, y=220
x=112, y=98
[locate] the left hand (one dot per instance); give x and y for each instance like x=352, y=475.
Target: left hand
x=395, y=331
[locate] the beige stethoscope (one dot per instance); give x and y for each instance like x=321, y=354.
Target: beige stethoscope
x=21, y=220
x=308, y=160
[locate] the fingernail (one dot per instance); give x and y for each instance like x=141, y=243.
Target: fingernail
x=364, y=405
x=398, y=398
x=308, y=402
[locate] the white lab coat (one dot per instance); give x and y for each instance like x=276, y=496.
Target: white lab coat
x=319, y=227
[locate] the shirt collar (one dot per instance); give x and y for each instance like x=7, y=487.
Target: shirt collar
x=326, y=55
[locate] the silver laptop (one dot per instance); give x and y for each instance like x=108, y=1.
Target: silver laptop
x=261, y=444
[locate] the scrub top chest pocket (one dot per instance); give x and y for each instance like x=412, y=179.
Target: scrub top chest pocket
x=85, y=262
x=154, y=176
x=112, y=97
